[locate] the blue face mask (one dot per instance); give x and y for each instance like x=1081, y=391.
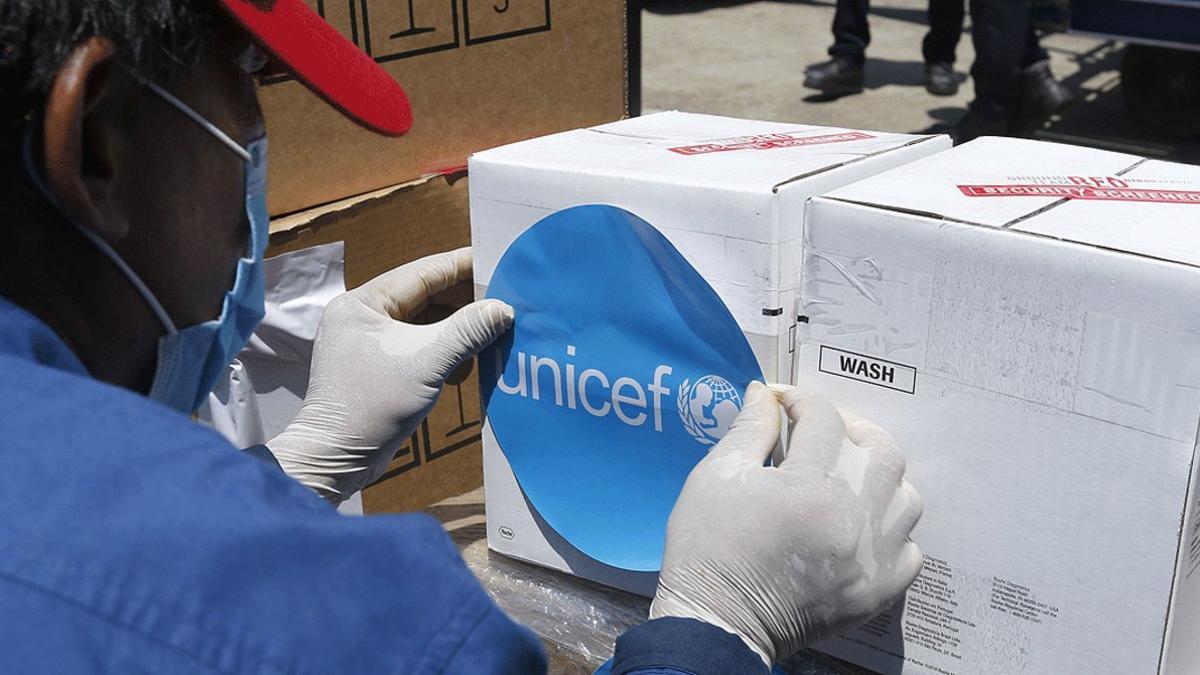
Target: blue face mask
x=191, y=359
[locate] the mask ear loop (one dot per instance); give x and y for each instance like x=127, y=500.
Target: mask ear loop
x=195, y=117
x=91, y=235
x=242, y=152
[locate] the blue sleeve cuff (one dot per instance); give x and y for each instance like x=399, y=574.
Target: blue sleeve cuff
x=683, y=645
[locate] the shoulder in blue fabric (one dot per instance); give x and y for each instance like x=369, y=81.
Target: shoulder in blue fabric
x=622, y=370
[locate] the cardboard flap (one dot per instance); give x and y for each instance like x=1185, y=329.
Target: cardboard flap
x=1152, y=210
x=990, y=181
x=701, y=150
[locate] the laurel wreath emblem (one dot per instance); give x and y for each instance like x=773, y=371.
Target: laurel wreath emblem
x=685, y=415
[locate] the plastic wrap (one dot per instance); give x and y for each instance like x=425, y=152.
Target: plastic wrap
x=577, y=620
x=262, y=389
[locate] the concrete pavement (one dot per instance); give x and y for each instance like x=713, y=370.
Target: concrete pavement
x=747, y=58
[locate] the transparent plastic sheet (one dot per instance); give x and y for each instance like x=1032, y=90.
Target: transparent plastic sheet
x=578, y=621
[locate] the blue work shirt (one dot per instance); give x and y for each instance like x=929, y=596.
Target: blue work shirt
x=134, y=540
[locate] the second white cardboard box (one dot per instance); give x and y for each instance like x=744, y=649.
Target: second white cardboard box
x=728, y=193
x=1024, y=317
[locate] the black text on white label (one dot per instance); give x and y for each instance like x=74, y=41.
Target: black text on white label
x=868, y=369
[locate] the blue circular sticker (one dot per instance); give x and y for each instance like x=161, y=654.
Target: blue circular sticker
x=622, y=369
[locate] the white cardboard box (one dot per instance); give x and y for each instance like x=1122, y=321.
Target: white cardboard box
x=1024, y=317
x=728, y=193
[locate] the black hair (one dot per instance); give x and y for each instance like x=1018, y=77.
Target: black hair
x=153, y=37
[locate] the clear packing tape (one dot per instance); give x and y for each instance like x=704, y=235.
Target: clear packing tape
x=577, y=620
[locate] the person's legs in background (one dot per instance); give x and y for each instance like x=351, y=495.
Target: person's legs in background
x=843, y=73
x=945, y=29
x=1033, y=52
x=851, y=30
x=999, y=30
x=1043, y=95
x=1014, y=89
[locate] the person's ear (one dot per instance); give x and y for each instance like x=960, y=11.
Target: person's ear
x=80, y=144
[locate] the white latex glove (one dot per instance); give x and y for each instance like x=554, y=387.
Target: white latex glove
x=787, y=556
x=374, y=377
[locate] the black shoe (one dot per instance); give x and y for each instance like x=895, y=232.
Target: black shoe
x=940, y=79
x=837, y=77
x=973, y=125
x=1044, y=96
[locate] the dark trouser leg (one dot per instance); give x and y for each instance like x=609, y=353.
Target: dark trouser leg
x=945, y=28
x=1000, y=30
x=851, y=33
x=1033, y=49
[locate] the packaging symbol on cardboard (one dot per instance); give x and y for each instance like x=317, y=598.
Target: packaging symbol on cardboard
x=380, y=231
x=1022, y=316
x=729, y=194
x=478, y=73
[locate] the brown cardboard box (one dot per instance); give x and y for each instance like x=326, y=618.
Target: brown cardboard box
x=479, y=73
x=382, y=230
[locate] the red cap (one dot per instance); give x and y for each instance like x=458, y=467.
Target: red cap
x=325, y=61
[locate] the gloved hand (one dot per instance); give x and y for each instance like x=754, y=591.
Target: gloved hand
x=374, y=377
x=787, y=556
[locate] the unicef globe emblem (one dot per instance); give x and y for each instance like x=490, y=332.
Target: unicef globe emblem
x=707, y=408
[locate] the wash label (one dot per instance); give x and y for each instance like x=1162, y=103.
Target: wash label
x=622, y=370
x=868, y=369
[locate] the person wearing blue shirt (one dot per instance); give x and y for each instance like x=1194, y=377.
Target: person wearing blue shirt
x=132, y=539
